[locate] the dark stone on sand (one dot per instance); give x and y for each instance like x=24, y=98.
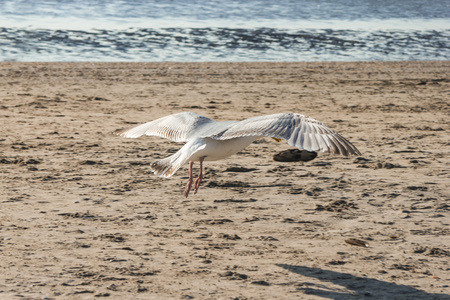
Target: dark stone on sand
x=294, y=155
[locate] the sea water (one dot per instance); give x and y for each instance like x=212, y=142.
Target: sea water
x=235, y=30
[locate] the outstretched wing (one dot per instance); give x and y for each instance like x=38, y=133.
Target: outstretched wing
x=178, y=127
x=299, y=131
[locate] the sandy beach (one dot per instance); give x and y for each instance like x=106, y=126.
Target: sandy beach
x=83, y=217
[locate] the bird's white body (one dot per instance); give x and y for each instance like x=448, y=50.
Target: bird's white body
x=211, y=149
x=209, y=140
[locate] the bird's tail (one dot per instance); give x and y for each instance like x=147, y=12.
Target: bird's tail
x=166, y=167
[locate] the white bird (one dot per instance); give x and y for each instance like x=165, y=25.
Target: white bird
x=209, y=140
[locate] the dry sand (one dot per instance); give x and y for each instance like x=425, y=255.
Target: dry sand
x=83, y=217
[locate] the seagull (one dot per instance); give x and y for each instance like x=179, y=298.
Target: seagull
x=209, y=140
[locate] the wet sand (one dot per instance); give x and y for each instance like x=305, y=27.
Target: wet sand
x=83, y=217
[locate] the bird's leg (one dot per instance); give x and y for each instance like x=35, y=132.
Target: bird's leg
x=189, y=183
x=200, y=176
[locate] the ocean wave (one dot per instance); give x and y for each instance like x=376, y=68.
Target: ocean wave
x=222, y=44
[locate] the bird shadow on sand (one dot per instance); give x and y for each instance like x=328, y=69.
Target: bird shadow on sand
x=354, y=287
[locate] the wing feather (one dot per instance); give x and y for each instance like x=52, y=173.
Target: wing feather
x=299, y=131
x=178, y=127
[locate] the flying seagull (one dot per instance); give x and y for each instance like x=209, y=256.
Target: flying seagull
x=208, y=140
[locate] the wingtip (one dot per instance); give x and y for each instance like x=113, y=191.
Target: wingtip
x=352, y=152
x=119, y=132
x=125, y=132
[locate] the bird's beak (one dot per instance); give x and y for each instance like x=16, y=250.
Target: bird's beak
x=277, y=139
